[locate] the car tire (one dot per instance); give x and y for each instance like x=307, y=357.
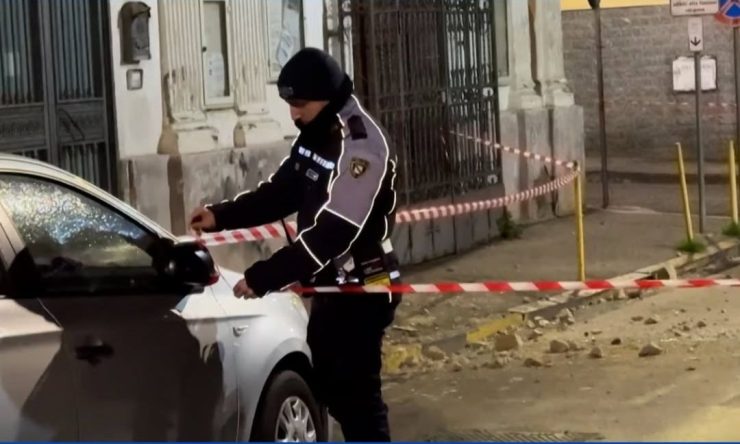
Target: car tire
x=288, y=391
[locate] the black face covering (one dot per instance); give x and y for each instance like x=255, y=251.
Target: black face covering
x=327, y=116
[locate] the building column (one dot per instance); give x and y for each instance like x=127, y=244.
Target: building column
x=549, y=64
x=522, y=93
x=182, y=74
x=249, y=41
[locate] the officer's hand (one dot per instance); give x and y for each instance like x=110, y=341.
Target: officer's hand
x=242, y=290
x=202, y=219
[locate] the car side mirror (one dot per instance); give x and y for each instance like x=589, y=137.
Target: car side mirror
x=190, y=263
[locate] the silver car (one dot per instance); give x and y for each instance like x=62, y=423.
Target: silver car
x=111, y=328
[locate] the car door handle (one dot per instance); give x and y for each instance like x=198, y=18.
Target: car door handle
x=93, y=353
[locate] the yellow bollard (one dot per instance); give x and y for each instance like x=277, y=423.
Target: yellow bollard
x=578, y=185
x=685, y=195
x=733, y=183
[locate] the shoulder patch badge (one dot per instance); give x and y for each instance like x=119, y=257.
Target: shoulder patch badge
x=357, y=167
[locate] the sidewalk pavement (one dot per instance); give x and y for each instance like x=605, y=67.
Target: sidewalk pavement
x=617, y=243
x=647, y=170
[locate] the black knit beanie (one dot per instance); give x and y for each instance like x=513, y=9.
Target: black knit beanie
x=312, y=74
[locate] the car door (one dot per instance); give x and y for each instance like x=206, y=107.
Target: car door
x=151, y=363
x=37, y=402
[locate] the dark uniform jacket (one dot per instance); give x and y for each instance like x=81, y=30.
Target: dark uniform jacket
x=339, y=178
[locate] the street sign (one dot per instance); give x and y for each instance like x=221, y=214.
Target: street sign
x=729, y=12
x=694, y=7
x=696, y=34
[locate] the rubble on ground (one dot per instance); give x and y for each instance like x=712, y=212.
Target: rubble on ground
x=508, y=341
x=650, y=350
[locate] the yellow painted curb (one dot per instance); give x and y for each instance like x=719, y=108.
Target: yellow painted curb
x=493, y=327
x=395, y=355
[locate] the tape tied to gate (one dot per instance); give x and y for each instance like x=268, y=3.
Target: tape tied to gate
x=522, y=153
x=277, y=231
x=519, y=287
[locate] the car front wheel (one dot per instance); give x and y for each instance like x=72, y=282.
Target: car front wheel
x=289, y=412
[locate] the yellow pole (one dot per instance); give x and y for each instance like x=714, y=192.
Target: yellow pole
x=579, y=226
x=733, y=184
x=684, y=194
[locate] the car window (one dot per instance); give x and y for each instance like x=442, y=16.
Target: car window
x=68, y=233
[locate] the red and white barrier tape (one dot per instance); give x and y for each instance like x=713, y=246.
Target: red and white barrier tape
x=536, y=286
x=518, y=152
x=275, y=231
x=264, y=232
x=470, y=207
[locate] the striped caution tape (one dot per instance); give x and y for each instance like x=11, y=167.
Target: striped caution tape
x=264, y=232
x=471, y=207
x=517, y=287
x=275, y=231
x=519, y=152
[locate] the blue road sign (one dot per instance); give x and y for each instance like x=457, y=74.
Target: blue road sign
x=729, y=12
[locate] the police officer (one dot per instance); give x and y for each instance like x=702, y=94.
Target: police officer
x=339, y=178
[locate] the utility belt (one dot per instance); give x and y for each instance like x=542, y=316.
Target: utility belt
x=369, y=265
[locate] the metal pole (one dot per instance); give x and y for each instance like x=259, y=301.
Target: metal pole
x=699, y=145
x=684, y=194
x=602, y=110
x=736, y=41
x=580, y=238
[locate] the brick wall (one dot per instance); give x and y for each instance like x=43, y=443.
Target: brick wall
x=639, y=46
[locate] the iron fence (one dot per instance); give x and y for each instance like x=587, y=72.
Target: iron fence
x=425, y=69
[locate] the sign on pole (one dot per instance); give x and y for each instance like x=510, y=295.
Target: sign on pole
x=696, y=34
x=729, y=12
x=694, y=7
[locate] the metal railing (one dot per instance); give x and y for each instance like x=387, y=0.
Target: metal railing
x=426, y=68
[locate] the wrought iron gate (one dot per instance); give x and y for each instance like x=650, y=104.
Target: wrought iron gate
x=55, y=97
x=426, y=69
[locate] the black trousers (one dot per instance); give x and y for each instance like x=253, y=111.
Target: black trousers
x=345, y=333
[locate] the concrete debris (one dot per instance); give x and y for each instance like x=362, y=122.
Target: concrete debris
x=596, y=353
x=526, y=299
x=566, y=317
x=459, y=363
x=686, y=327
x=652, y=320
x=510, y=341
x=531, y=324
x=410, y=331
x=701, y=324
x=435, y=353
x=533, y=362
x=637, y=318
x=617, y=341
x=497, y=362
x=479, y=346
x=422, y=321
x=650, y=350
x=412, y=361
x=542, y=323
x=596, y=332
x=573, y=346
x=558, y=346
x=621, y=296
x=536, y=333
